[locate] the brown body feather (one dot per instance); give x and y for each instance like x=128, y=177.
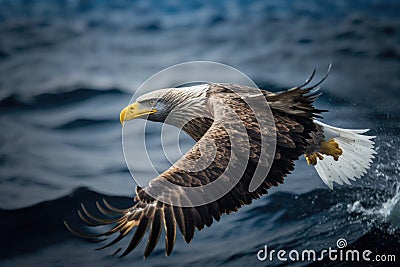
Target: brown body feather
x=293, y=113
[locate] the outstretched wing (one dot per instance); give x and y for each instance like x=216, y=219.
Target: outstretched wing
x=293, y=125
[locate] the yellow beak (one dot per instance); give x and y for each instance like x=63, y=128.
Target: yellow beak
x=134, y=111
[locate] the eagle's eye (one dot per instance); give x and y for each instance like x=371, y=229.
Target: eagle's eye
x=152, y=102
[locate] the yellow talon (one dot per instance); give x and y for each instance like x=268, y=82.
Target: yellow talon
x=331, y=148
x=312, y=158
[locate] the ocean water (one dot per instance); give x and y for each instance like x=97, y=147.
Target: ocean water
x=67, y=68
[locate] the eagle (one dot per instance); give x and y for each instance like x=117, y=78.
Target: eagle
x=339, y=155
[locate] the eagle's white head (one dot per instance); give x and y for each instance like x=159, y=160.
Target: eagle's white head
x=171, y=105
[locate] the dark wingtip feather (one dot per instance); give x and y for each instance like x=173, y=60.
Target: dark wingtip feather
x=170, y=230
x=96, y=219
x=116, y=240
x=154, y=233
x=189, y=221
x=308, y=79
x=89, y=223
x=323, y=78
x=111, y=207
x=92, y=238
x=105, y=211
x=179, y=219
x=138, y=235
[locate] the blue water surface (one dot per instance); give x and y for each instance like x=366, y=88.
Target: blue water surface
x=67, y=68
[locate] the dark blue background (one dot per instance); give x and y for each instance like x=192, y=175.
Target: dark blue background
x=67, y=68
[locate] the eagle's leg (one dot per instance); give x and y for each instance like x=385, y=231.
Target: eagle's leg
x=312, y=158
x=330, y=148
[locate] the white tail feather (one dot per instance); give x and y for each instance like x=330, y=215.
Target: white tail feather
x=358, y=152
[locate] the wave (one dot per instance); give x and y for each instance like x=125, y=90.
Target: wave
x=387, y=213
x=50, y=100
x=79, y=123
x=26, y=230
x=388, y=245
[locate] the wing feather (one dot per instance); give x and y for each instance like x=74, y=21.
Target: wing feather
x=154, y=232
x=293, y=114
x=137, y=237
x=180, y=219
x=189, y=221
x=170, y=229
